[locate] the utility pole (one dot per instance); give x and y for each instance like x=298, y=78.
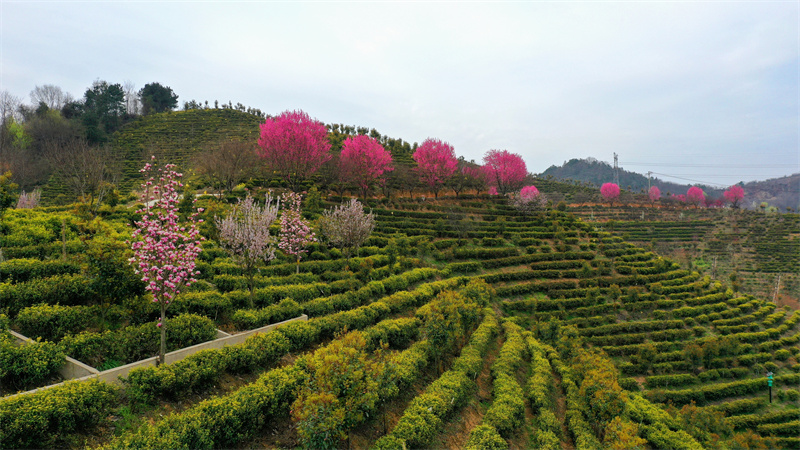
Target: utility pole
x=648, y=181
x=616, y=170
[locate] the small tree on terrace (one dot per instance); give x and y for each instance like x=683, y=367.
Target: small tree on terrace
x=244, y=234
x=295, y=233
x=654, y=194
x=294, y=145
x=364, y=161
x=695, y=196
x=164, y=250
x=505, y=171
x=347, y=226
x=436, y=163
x=610, y=192
x=529, y=200
x=734, y=195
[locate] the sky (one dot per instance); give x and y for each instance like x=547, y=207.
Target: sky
x=691, y=91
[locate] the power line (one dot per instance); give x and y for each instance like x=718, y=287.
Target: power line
x=689, y=179
x=725, y=166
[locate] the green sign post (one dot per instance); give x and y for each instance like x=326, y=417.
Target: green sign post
x=769, y=383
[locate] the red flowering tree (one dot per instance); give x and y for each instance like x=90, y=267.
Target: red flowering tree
x=164, y=250
x=695, y=196
x=436, y=163
x=294, y=145
x=610, y=192
x=654, y=194
x=505, y=171
x=295, y=233
x=734, y=195
x=363, y=162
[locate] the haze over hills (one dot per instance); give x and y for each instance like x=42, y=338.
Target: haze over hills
x=783, y=192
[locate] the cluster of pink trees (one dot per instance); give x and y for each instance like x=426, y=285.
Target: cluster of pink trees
x=694, y=196
x=295, y=146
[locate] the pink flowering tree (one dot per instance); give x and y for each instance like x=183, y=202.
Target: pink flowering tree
x=295, y=232
x=493, y=191
x=245, y=235
x=654, y=194
x=529, y=200
x=294, y=145
x=364, y=161
x=734, y=195
x=164, y=250
x=610, y=192
x=505, y=171
x=695, y=196
x=436, y=163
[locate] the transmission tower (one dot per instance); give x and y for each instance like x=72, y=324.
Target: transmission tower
x=616, y=170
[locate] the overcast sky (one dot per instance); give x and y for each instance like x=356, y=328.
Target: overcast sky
x=703, y=91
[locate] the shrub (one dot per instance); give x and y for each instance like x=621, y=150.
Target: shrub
x=485, y=437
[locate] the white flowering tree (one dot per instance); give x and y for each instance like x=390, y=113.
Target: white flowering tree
x=245, y=235
x=347, y=226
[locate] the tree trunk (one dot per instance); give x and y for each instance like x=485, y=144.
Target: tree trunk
x=163, y=349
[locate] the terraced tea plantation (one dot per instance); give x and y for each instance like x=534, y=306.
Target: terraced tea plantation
x=458, y=324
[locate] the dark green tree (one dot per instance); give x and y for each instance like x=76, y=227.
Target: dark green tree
x=157, y=98
x=103, y=110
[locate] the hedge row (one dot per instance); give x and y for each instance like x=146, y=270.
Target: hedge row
x=53, y=322
x=40, y=419
x=227, y=420
x=28, y=365
x=138, y=342
x=508, y=408
x=340, y=302
x=426, y=412
x=712, y=392
x=751, y=420
x=68, y=289
x=540, y=385
x=22, y=270
x=262, y=350
x=248, y=319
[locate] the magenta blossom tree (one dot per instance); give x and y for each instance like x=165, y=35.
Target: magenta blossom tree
x=164, y=250
x=493, y=191
x=529, y=200
x=245, y=235
x=294, y=145
x=505, y=171
x=695, y=196
x=610, y=192
x=654, y=194
x=296, y=235
x=734, y=195
x=436, y=163
x=364, y=161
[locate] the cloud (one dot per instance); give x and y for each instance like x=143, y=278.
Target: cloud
x=551, y=81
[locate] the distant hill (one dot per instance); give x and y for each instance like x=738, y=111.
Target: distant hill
x=779, y=192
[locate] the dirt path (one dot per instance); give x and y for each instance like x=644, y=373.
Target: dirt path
x=561, y=413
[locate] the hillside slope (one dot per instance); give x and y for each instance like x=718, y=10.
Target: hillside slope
x=779, y=192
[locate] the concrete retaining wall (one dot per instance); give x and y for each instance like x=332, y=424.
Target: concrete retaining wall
x=76, y=370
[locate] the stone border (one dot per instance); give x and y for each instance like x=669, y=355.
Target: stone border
x=76, y=370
